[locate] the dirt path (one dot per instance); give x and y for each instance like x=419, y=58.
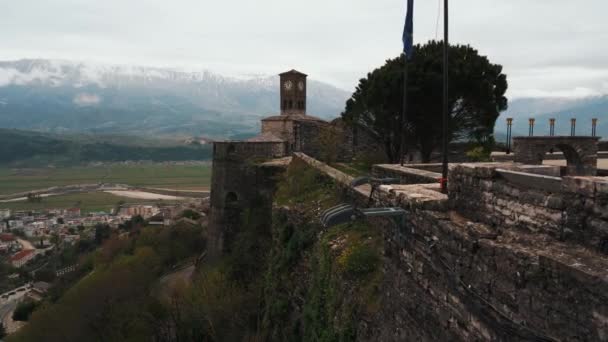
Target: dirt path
x=144, y=195
x=26, y=245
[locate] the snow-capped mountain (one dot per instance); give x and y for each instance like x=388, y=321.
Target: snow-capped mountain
x=55, y=95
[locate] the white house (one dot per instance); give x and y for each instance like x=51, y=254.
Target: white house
x=5, y=213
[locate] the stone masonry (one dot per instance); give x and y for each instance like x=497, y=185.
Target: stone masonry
x=461, y=271
x=580, y=152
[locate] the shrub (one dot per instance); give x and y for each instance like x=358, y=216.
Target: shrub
x=359, y=260
x=479, y=154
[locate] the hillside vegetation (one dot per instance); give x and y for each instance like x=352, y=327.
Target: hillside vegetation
x=285, y=280
x=27, y=149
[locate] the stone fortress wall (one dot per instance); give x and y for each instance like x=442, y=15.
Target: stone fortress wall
x=459, y=271
x=236, y=182
x=513, y=252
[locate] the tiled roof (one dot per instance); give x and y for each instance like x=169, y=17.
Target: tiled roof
x=293, y=117
x=22, y=254
x=292, y=71
x=7, y=237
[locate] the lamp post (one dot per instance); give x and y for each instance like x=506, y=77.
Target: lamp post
x=446, y=45
x=509, y=126
x=572, y=127
x=551, y=127
x=593, y=127
x=531, y=129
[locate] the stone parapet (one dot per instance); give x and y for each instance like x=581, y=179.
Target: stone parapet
x=567, y=209
x=405, y=174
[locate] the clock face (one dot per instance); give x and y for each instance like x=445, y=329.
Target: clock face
x=301, y=85
x=288, y=85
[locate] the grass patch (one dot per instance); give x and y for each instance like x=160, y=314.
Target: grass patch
x=355, y=170
x=183, y=177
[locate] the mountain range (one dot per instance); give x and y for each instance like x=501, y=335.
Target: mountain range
x=58, y=96
x=61, y=96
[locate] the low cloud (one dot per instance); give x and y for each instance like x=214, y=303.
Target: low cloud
x=84, y=99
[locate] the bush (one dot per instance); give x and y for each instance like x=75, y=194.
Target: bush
x=191, y=214
x=359, y=260
x=479, y=154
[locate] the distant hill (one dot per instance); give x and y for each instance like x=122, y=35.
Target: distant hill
x=32, y=149
x=542, y=109
x=61, y=96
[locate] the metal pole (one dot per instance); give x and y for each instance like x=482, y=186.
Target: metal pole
x=531, y=130
x=446, y=44
x=403, y=121
x=509, y=125
x=593, y=127
x=572, y=127
x=551, y=127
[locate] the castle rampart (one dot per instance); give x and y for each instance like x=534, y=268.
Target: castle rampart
x=461, y=271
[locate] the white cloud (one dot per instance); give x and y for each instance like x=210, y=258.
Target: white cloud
x=84, y=99
x=335, y=40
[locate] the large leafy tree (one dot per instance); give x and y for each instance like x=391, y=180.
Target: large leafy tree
x=476, y=97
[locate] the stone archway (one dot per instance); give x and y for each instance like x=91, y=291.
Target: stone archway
x=232, y=199
x=580, y=152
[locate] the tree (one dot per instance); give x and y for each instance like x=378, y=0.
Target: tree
x=45, y=274
x=102, y=232
x=191, y=214
x=24, y=310
x=476, y=97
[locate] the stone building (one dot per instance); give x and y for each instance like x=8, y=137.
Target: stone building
x=240, y=180
x=297, y=129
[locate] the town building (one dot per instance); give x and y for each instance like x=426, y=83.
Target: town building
x=39, y=290
x=72, y=212
x=15, y=224
x=22, y=257
x=5, y=213
x=144, y=211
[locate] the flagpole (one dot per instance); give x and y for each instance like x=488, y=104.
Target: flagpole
x=446, y=44
x=403, y=120
x=408, y=50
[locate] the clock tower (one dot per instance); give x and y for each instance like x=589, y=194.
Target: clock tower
x=293, y=93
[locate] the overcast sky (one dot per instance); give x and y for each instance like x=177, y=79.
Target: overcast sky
x=548, y=47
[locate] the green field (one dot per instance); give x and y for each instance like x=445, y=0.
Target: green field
x=87, y=202
x=184, y=177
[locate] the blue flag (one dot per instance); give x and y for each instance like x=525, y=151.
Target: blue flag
x=408, y=31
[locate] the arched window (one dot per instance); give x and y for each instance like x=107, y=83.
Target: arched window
x=284, y=104
x=290, y=104
x=231, y=198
